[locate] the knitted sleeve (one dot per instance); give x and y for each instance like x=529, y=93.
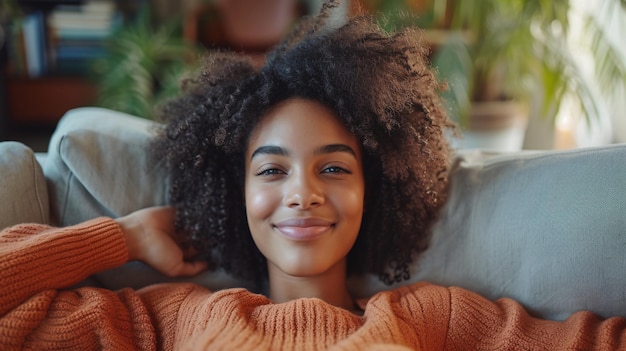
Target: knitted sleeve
x=476, y=323
x=36, y=260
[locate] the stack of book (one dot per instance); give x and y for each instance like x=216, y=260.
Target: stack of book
x=64, y=40
x=78, y=34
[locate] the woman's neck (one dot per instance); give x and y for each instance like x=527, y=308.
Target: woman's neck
x=329, y=286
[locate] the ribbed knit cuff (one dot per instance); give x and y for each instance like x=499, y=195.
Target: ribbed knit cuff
x=34, y=257
x=102, y=248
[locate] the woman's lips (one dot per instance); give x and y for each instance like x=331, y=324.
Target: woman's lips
x=303, y=229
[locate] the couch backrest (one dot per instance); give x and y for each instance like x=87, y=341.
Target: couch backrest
x=545, y=228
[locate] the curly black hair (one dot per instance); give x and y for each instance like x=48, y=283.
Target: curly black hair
x=380, y=86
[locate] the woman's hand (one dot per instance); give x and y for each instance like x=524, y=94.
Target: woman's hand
x=149, y=238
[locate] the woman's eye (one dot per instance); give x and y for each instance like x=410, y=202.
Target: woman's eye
x=270, y=172
x=335, y=169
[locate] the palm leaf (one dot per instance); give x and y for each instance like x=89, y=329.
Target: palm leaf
x=528, y=41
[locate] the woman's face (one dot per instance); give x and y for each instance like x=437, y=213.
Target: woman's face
x=304, y=188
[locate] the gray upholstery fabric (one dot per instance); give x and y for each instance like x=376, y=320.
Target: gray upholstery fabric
x=23, y=192
x=97, y=165
x=548, y=230
x=545, y=228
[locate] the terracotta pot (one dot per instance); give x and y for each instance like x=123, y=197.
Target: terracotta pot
x=497, y=115
x=256, y=24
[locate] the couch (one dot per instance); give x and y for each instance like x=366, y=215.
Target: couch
x=546, y=228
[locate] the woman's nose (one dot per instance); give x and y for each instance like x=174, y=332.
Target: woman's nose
x=303, y=191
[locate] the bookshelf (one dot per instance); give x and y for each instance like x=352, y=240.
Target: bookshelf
x=46, y=59
x=42, y=101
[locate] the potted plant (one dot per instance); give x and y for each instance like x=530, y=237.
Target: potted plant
x=508, y=54
x=143, y=65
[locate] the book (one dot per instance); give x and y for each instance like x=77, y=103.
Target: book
x=78, y=33
x=35, y=48
x=16, y=52
x=90, y=15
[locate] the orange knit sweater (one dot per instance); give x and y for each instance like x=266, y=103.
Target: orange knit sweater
x=37, y=262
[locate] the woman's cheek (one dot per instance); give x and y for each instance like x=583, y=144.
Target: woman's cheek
x=357, y=211
x=352, y=202
x=260, y=203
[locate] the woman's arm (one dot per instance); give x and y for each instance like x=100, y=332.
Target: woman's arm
x=35, y=257
x=477, y=323
x=451, y=318
x=37, y=260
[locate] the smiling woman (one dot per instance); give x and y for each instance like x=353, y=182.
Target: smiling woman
x=329, y=161
x=304, y=193
x=391, y=112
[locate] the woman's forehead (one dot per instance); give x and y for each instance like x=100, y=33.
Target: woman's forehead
x=296, y=121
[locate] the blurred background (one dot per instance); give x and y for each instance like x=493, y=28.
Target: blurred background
x=521, y=74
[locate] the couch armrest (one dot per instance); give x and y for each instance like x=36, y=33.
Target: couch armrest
x=98, y=165
x=23, y=192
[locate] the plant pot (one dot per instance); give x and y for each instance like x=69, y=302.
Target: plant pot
x=495, y=125
x=256, y=24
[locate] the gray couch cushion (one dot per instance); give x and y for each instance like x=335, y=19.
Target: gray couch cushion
x=23, y=192
x=548, y=230
x=97, y=165
x=545, y=228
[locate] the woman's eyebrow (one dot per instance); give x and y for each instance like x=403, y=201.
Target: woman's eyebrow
x=269, y=150
x=327, y=149
x=280, y=151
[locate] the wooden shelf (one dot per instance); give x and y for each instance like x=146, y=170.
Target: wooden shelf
x=43, y=101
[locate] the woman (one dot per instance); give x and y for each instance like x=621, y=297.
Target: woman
x=327, y=162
